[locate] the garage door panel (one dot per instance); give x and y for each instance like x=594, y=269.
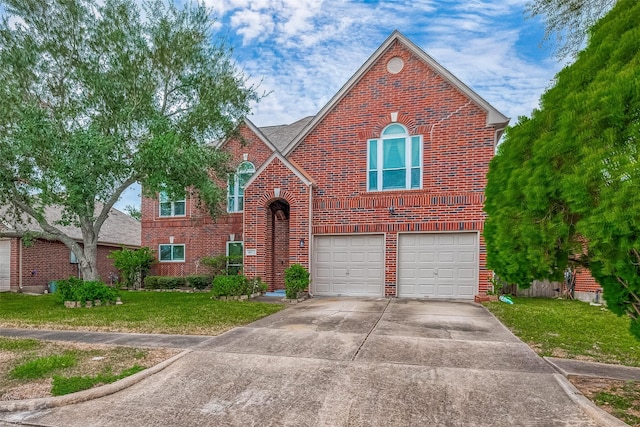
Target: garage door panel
x=446, y=256
x=5, y=265
x=356, y=265
x=445, y=273
x=467, y=256
x=467, y=239
x=466, y=273
x=437, y=265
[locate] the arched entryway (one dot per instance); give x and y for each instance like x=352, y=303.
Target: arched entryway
x=277, y=253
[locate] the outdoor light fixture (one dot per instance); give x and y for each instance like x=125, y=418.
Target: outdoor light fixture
x=302, y=243
x=392, y=210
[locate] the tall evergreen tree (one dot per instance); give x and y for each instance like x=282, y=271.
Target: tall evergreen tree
x=565, y=185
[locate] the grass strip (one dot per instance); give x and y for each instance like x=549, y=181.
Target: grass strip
x=42, y=366
x=66, y=385
x=13, y=344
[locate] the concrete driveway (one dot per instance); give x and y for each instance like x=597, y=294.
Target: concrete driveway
x=342, y=361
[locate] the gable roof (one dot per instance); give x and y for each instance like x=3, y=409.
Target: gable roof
x=295, y=169
x=118, y=229
x=281, y=135
x=494, y=117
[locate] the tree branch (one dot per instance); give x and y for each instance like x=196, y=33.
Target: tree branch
x=634, y=305
x=104, y=213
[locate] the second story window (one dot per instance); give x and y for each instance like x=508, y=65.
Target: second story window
x=170, y=207
x=236, y=184
x=394, y=160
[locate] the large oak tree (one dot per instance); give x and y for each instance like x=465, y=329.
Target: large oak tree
x=565, y=184
x=97, y=95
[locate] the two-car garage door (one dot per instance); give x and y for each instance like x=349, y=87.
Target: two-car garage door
x=430, y=265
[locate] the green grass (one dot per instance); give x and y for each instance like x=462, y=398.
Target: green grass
x=11, y=344
x=570, y=329
x=624, y=402
x=144, y=312
x=42, y=366
x=65, y=385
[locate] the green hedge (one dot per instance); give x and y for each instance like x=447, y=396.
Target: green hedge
x=74, y=289
x=198, y=281
x=236, y=285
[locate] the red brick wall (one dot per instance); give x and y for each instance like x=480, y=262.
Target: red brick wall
x=257, y=222
x=457, y=149
x=584, y=281
x=201, y=234
x=46, y=261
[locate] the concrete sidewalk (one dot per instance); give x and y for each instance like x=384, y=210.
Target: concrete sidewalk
x=111, y=338
x=578, y=368
x=339, y=362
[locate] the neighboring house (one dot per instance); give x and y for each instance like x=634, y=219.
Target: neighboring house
x=379, y=194
x=30, y=268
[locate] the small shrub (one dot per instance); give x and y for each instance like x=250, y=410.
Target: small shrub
x=259, y=285
x=151, y=282
x=133, y=265
x=217, y=265
x=198, y=281
x=171, y=282
x=164, y=282
x=222, y=264
x=224, y=286
x=40, y=367
x=74, y=289
x=296, y=279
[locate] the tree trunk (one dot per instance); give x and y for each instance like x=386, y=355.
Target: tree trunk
x=88, y=261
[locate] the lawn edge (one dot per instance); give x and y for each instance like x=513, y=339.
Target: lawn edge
x=599, y=415
x=84, y=395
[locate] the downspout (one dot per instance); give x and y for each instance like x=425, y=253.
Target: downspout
x=309, y=239
x=20, y=264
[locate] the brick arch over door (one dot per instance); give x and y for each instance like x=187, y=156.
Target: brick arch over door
x=277, y=242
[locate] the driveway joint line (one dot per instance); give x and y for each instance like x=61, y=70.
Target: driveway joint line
x=371, y=330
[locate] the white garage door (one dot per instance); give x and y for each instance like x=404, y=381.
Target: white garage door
x=348, y=265
x=5, y=264
x=438, y=265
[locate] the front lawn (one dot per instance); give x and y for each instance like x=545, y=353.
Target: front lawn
x=143, y=312
x=570, y=329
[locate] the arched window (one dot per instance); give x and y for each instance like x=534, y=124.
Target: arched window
x=394, y=160
x=235, y=186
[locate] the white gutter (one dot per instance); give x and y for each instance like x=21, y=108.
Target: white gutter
x=310, y=238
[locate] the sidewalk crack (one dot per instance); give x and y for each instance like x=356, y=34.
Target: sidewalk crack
x=371, y=330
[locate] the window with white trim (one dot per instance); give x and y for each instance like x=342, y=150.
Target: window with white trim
x=234, y=257
x=236, y=184
x=170, y=207
x=394, y=161
x=171, y=253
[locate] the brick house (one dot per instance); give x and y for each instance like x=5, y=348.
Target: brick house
x=30, y=268
x=379, y=194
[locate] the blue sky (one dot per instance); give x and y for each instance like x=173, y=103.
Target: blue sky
x=302, y=51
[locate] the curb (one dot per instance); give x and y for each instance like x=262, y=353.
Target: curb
x=84, y=395
x=598, y=415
